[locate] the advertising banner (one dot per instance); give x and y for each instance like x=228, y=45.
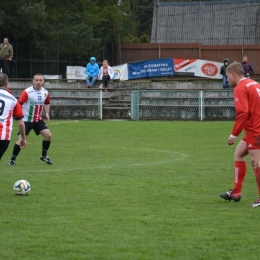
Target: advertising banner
x=200, y=68
x=209, y=69
x=156, y=68
x=120, y=72
x=150, y=68
x=52, y=76
x=76, y=72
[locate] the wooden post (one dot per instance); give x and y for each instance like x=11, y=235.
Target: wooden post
x=156, y=21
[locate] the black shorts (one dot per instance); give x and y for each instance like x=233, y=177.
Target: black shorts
x=3, y=147
x=37, y=127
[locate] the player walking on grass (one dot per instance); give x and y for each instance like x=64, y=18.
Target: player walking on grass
x=247, y=106
x=33, y=100
x=9, y=109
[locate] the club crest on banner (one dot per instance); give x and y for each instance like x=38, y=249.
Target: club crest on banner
x=209, y=69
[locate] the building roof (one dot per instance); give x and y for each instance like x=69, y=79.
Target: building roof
x=207, y=22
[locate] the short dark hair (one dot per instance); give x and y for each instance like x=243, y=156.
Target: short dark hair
x=235, y=67
x=3, y=80
x=38, y=74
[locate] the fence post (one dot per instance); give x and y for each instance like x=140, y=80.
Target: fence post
x=135, y=104
x=201, y=104
x=100, y=109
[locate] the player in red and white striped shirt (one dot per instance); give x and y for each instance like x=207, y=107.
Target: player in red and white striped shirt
x=33, y=100
x=247, y=106
x=9, y=109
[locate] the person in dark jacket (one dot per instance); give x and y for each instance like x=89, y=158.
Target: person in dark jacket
x=6, y=55
x=223, y=73
x=248, y=68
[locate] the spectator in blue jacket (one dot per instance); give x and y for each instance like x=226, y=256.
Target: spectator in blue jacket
x=92, y=70
x=248, y=68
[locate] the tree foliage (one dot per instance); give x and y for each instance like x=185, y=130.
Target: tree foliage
x=79, y=27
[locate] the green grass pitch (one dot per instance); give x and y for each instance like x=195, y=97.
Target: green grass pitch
x=128, y=190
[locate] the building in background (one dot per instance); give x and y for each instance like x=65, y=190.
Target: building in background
x=227, y=22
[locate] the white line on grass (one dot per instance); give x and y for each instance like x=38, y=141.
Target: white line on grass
x=177, y=157
x=63, y=122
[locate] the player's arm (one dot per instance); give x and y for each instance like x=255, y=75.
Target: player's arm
x=47, y=108
x=241, y=107
x=18, y=115
x=47, y=111
x=23, y=98
x=22, y=133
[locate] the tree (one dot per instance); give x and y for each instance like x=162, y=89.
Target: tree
x=69, y=24
x=78, y=27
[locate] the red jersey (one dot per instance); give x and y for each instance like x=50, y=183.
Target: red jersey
x=9, y=108
x=247, y=106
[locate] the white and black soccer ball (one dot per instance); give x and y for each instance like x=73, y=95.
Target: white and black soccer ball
x=22, y=187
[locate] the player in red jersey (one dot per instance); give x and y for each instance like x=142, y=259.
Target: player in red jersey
x=247, y=106
x=33, y=100
x=9, y=109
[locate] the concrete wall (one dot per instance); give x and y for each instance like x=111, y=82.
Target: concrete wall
x=73, y=100
x=145, y=84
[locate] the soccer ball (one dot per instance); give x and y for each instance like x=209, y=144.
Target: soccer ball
x=22, y=187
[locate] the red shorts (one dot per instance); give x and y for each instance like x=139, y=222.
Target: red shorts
x=252, y=143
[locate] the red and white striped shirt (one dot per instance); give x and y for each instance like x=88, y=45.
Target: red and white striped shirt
x=9, y=108
x=32, y=102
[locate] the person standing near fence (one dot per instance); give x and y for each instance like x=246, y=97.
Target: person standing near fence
x=247, y=107
x=92, y=70
x=9, y=109
x=105, y=74
x=248, y=68
x=223, y=73
x=33, y=100
x=6, y=55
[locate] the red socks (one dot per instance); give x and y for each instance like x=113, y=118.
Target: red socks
x=239, y=175
x=257, y=178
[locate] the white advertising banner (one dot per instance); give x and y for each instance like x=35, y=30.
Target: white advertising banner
x=120, y=72
x=76, y=72
x=200, y=68
x=209, y=69
x=52, y=76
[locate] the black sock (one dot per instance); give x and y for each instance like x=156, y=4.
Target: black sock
x=16, y=151
x=45, y=147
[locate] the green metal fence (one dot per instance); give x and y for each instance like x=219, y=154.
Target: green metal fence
x=182, y=105
x=145, y=104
